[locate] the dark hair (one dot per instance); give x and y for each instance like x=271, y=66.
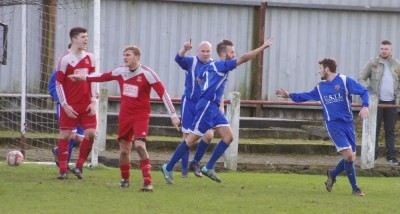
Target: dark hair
x=69, y=45
x=134, y=49
x=386, y=42
x=76, y=31
x=330, y=63
x=221, y=46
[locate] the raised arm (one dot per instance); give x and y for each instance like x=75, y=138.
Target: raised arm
x=252, y=54
x=186, y=47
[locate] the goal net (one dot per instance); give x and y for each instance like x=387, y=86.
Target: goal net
x=33, y=35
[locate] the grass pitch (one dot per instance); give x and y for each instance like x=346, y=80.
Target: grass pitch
x=33, y=188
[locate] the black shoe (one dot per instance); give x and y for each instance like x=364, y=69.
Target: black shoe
x=54, y=150
x=195, y=167
x=330, y=181
x=62, y=176
x=77, y=172
x=393, y=161
x=147, y=188
x=124, y=184
x=357, y=192
x=211, y=174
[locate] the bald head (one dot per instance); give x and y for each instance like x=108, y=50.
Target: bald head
x=204, y=51
x=204, y=44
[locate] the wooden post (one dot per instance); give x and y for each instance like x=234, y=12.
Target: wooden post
x=101, y=132
x=49, y=15
x=368, y=135
x=233, y=116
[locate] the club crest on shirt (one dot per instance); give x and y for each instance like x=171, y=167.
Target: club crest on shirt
x=337, y=87
x=87, y=61
x=139, y=79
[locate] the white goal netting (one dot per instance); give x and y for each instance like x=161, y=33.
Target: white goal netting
x=33, y=35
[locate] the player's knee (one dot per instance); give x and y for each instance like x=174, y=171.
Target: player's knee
x=348, y=155
x=90, y=133
x=90, y=136
x=124, y=152
x=140, y=144
x=350, y=158
x=208, y=136
x=228, y=139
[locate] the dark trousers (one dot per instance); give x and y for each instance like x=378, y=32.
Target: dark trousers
x=389, y=117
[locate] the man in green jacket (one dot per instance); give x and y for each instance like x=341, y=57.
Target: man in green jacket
x=383, y=73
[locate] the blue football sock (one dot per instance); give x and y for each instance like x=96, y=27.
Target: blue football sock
x=70, y=148
x=179, y=152
x=351, y=173
x=202, y=147
x=185, y=161
x=338, y=169
x=217, y=153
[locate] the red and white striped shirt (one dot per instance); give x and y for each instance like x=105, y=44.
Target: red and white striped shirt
x=75, y=93
x=135, y=87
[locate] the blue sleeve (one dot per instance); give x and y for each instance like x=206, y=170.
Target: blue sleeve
x=183, y=62
x=355, y=87
x=225, y=66
x=305, y=96
x=52, y=86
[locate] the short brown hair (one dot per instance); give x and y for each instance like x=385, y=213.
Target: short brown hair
x=134, y=49
x=386, y=42
x=76, y=31
x=330, y=63
x=221, y=46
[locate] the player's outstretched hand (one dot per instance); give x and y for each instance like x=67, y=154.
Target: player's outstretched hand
x=282, y=93
x=76, y=77
x=364, y=112
x=70, y=111
x=175, y=122
x=268, y=43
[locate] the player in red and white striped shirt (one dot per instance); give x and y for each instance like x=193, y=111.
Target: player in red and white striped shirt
x=78, y=100
x=135, y=81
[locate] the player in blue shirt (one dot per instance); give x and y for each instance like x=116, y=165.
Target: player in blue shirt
x=208, y=115
x=76, y=138
x=192, y=66
x=335, y=94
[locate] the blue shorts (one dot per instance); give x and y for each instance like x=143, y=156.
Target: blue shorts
x=79, y=130
x=342, y=134
x=188, y=112
x=208, y=115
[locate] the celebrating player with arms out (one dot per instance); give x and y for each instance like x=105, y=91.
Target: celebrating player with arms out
x=135, y=82
x=78, y=100
x=335, y=94
x=208, y=113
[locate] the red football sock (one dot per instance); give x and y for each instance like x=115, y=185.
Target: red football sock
x=145, y=166
x=125, y=174
x=63, y=155
x=84, y=152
